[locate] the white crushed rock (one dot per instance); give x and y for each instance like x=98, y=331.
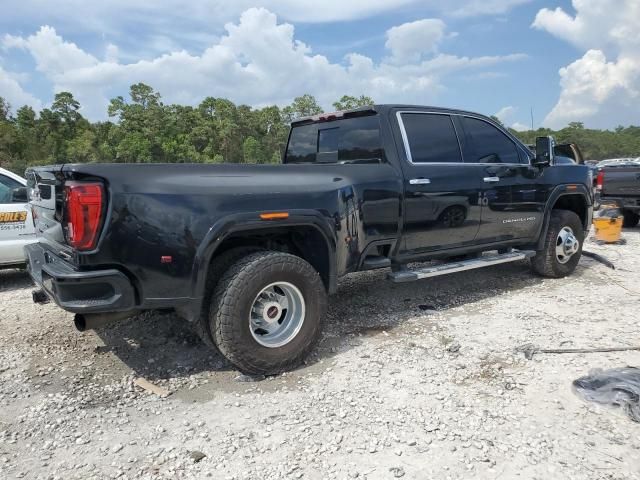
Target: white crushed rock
x=410, y=381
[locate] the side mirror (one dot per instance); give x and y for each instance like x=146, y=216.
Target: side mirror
x=19, y=195
x=544, y=151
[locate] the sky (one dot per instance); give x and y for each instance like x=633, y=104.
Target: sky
x=562, y=60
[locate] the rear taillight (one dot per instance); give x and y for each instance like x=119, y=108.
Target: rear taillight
x=84, y=202
x=600, y=180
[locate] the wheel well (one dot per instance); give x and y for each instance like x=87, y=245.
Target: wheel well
x=574, y=203
x=306, y=242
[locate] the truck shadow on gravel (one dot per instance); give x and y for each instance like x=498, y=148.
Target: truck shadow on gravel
x=14, y=279
x=366, y=305
x=159, y=345
x=163, y=346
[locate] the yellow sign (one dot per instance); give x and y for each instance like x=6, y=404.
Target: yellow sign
x=11, y=217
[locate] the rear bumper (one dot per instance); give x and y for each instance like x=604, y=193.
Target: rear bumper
x=628, y=203
x=79, y=291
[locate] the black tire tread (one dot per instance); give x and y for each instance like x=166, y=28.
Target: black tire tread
x=217, y=269
x=630, y=219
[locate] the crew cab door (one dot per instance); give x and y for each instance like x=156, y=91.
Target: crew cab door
x=512, y=197
x=16, y=223
x=441, y=208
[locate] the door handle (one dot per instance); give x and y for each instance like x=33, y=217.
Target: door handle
x=419, y=181
x=491, y=179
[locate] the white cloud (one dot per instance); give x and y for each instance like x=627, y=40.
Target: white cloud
x=109, y=16
x=11, y=90
x=258, y=61
x=505, y=113
x=410, y=41
x=506, y=116
x=148, y=28
x=520, y=127
x=598, y=24
x=602, y=88
x=52, y=54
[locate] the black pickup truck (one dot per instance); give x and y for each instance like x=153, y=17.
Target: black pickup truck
x=618, y=182
x=249, y=253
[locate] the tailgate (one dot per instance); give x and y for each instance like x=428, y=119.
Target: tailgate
x=621, y=181
x=46, y=187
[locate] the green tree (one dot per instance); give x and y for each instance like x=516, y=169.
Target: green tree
x=304, y=106
x=143, y=126
x=66, y=107
x=348, y=102
x=252, y=151
x=143, y=129
x=83, y=148
x=144, y=95
x=26, y=118
x=5, y=110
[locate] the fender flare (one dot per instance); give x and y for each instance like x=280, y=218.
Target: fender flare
x=563, y=191
x=235, y=223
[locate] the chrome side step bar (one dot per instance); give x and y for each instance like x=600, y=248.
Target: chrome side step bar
x=407, y=275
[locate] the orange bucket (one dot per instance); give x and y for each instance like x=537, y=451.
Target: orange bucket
x=608, y=229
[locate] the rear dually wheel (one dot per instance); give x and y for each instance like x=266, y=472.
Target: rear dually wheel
x=269, y=309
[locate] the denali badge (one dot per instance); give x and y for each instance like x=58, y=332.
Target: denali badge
x=521, y=219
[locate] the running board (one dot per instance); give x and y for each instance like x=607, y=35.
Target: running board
x=406, y=275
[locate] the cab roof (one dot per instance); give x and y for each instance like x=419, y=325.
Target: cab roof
x=378, y=108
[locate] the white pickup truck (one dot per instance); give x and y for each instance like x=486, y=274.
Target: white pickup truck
x=16, y=221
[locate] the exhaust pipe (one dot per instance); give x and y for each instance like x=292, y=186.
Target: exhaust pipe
x=91, y=321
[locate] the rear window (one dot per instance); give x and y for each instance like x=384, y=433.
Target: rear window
x=345, y=140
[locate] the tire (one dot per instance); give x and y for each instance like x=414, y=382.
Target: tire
x=630, y=219
x=219, y=266
x=253, y=350
x=547, y=262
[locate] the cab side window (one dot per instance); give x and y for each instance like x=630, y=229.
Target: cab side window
x=487, y=144
x=6, y=189
x=432, y=138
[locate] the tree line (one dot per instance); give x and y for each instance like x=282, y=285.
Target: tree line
x=144, y=129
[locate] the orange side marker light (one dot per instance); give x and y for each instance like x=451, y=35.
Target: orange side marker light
x=274, y=216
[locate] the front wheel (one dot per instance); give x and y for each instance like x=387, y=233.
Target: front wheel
x=267, y=312
x=562, y=246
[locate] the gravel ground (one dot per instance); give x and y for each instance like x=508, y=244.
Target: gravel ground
x=417, y=380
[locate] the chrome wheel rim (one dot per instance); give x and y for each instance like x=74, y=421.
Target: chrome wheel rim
x=567, y=245
x=277, y=314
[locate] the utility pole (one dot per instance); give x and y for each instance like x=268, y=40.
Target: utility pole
x=531, y=118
